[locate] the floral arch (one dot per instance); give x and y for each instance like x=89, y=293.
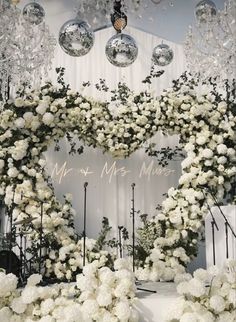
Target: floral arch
x=206, y=123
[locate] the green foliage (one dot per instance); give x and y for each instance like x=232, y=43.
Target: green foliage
x=153, y=74
x=165, y=155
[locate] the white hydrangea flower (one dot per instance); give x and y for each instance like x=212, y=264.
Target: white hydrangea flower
x=8, y=284
x=18, y=306
x=217, y=303
x=48, y=118
x=122, y=310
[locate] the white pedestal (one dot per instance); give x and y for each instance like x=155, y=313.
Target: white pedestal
x=220, y=236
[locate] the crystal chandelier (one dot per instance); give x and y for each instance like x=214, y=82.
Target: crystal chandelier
x=26, y=49
x=98, y=12
x=106, y=6
x=210, y=46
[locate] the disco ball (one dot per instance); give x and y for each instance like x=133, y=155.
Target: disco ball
x=162, y=55
x=33, y=13
x=76, y=37
x=121, y=50
x=204, y=10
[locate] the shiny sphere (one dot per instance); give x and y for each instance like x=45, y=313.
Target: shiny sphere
x=205, y=10
x=33, y=13
x=76, y=37
x=162, y=55
x=156, y=1
x=121, y=50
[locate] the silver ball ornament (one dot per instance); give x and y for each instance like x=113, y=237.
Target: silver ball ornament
x=162, y=55
x=76, y=37
x=33, y=13
x=121, y=50
x=205, y=10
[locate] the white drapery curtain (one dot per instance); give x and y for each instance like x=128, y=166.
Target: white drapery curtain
x=109, y=180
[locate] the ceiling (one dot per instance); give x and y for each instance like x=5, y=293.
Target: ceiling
x=168, y=20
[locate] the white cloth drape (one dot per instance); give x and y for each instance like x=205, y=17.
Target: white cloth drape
x=109, y=183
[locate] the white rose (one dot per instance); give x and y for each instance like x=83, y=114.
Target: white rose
x=41, y=108
x=217, y=303
x=19, y=102
x=122, y=310
x=189, y=317
x=34, y=279
x=104, y=296
x=30, y=294
x=20, y=122
x=28, y=116
x=5, y=314
x=13, y=172
x=231, y=152
x=207, y=153
x=90, y=307
x=18, y=306
x=48, y=118
x=201, y=140
x=222, y=149
x=8, y=283
x=47, y=306
x=222, y=160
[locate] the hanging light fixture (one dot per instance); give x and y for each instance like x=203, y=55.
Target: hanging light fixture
x=26, y=49
x=118, y=17
x=121, y=49
x=210, y=46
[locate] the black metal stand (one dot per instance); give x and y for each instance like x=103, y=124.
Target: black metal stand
x=85, y=213
x=40, y=231
x=226, y=240
x=40, y=236
x=133, y=226
x=133, y=240
x=213, y=242
x=213, y=226
x=10, y=212
x=227, y=224
x=120, y=242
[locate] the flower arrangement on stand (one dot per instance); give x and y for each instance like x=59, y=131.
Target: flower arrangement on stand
x=209, y=296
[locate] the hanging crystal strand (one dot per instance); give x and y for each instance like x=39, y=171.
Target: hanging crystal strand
x=210, y=48
x=28, y=47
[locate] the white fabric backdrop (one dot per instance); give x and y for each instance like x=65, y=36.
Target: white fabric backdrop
x=109, y=194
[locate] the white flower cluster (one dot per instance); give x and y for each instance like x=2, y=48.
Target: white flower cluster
x=8, y=284
x=98, y=295
x=120, y=134
x=68, y=260
x=210, y=296
x=207, y=129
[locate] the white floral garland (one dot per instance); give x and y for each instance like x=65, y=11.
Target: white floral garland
x=205, y=122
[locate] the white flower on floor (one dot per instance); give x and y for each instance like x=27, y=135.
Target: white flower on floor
x=207, y=297
x=122, y=310
x=8, y=284
x=18, y=306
